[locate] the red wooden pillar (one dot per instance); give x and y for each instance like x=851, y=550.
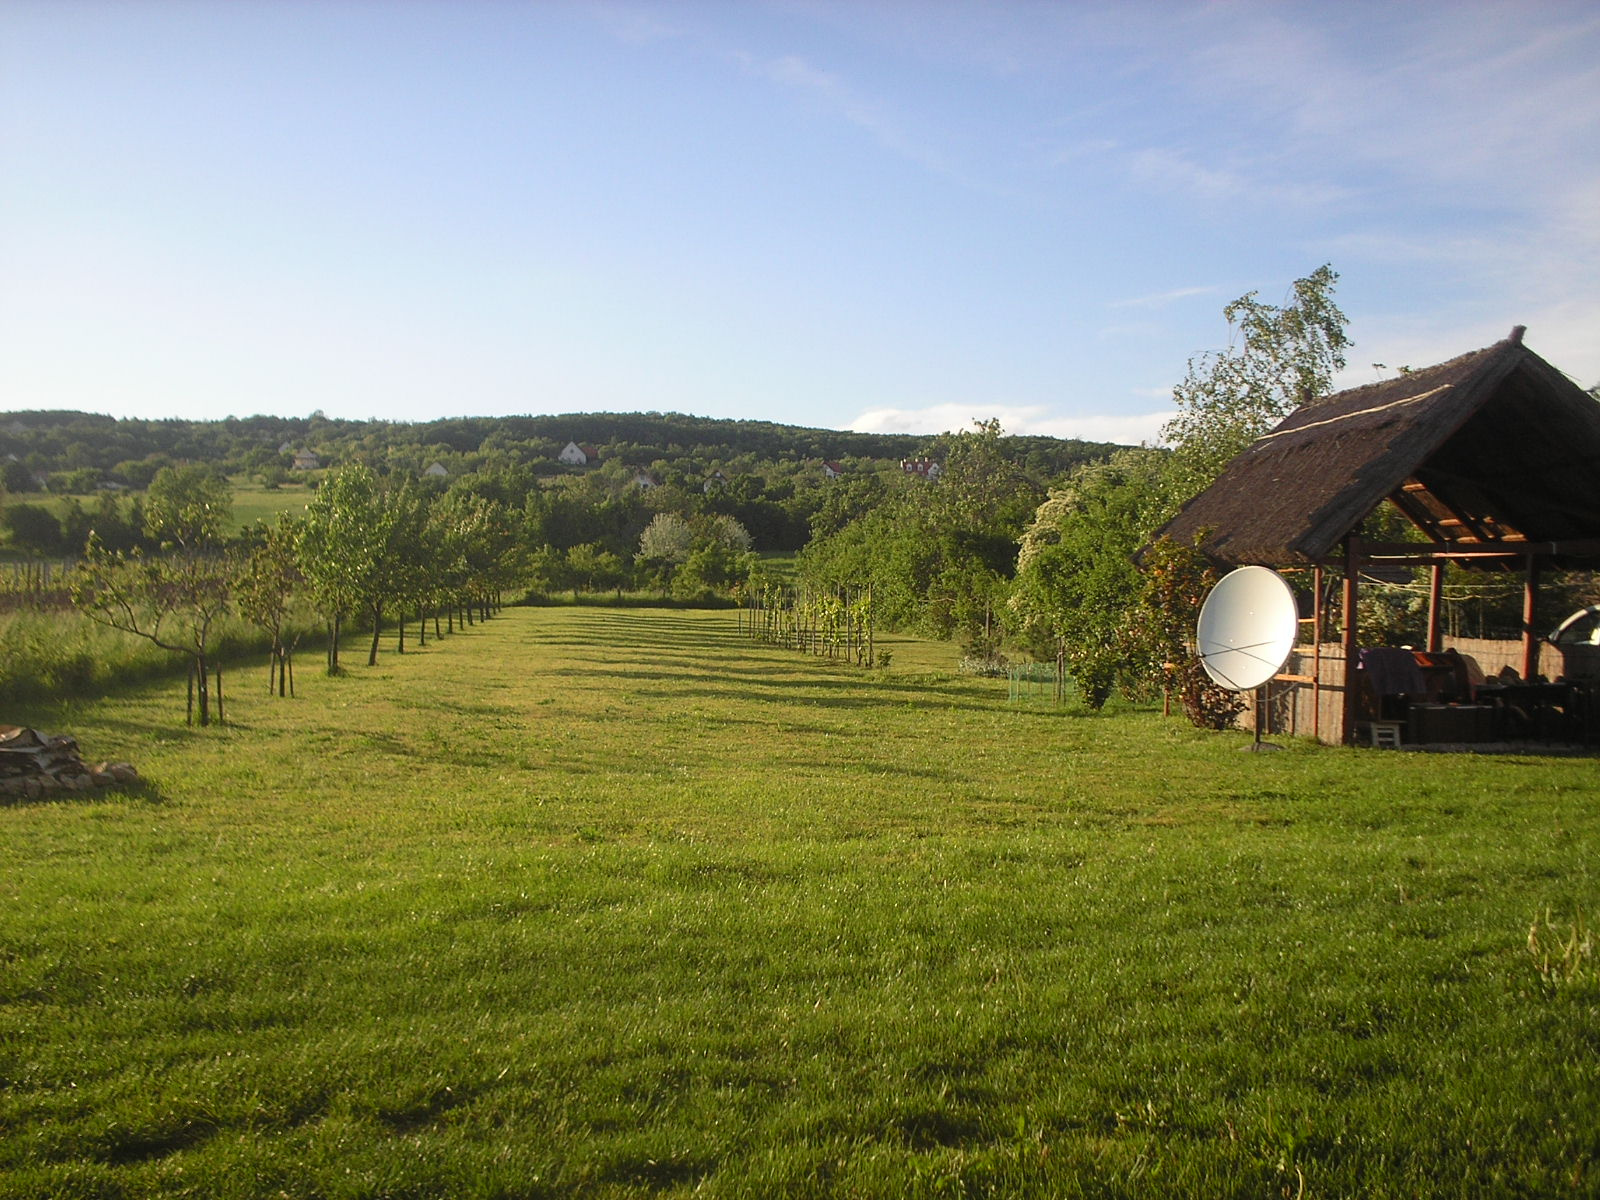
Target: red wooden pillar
x=1352, y=652
x=1316, y=652
x=1435, y=604
x=1530, y=639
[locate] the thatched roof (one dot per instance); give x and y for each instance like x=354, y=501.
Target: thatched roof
x=1492, y=449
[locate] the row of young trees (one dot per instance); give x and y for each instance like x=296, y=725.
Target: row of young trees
x=369, y=548
x=363, y=548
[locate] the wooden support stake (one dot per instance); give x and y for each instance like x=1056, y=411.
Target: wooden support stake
x=1530, y=639
x=1435, y=605
x=1352, y=652
x=1316, y=652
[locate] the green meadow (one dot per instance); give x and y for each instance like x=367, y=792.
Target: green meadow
x=611, y=902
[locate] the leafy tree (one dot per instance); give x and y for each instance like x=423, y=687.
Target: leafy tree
x=1078, y=592
x=723, y=531
x=547, y=570
x=80, y=481
x=938, y=555
x=710, y=569
x=174, y=598
x=481, y=547
x=187, y=506
x=16, y=478
x=33, y=528
x=402, y=568
x=1076, y=578
x=264, y=591
x=116, y=527
x=594, y=568
x=1175, y=582
x=340, y=545
x=1277, y=359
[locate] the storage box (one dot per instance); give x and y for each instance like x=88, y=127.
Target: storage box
x=1450, y=723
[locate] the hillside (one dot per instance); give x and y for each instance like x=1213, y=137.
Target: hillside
x=129, y=449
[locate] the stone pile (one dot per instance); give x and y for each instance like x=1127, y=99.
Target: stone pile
x=33, y=764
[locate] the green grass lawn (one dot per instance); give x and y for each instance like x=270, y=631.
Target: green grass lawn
x=252, y=502
x=608, y=902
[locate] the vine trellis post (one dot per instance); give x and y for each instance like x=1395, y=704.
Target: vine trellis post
x=830, y=622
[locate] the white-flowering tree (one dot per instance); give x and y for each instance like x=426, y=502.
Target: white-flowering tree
x=1278, y=357
x=667, y=539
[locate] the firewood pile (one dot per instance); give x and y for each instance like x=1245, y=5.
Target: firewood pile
x=34, y=764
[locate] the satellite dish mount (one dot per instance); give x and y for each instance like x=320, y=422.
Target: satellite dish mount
x=1248, y=625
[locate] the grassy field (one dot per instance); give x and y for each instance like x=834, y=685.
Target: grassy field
x=608, y=902
x=252, y=502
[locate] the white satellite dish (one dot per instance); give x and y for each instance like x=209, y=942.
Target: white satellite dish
x=1248, y=625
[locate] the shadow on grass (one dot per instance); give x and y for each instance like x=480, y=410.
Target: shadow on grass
x=130, y=1146
x=138, y=791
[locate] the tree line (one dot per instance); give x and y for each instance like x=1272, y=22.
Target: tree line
x=382, y=551
x=73, y=452
x=989, y=556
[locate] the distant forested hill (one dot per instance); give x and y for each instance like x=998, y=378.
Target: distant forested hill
x=129, y=450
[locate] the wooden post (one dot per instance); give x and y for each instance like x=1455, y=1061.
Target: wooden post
x=1316, y=652
x=1435, y=606
x=1530, y=639
x=1352, y=652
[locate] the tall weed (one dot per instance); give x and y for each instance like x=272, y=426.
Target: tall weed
x=1564, y=951
x=45, y=656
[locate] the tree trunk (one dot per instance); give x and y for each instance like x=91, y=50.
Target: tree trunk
x=377, y=627
x=202, y=672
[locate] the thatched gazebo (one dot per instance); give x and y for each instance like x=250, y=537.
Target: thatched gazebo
x=1494, y=456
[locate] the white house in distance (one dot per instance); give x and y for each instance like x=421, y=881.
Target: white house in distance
x=576, y=455
x=304, y=460
x=435, y=470
x=832, y=470
x=926, y=467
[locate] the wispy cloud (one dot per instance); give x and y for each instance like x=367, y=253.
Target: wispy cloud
x=1162, y=299
x=635, y=25
x=1172, y=170
x=832, y=94
x=1123, y=429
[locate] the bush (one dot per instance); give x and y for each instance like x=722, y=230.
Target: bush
x=32, y=527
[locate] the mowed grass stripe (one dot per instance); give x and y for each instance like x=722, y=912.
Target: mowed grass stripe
x=613, y=902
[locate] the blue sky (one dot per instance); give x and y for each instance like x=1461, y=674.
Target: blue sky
x=890, y=216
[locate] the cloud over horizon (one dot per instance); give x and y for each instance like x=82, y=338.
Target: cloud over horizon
x=1126, y=430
